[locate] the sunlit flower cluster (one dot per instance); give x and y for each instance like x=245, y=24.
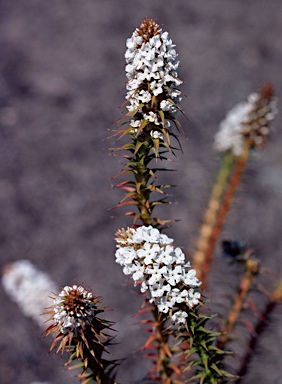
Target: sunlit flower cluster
x=29, y=288
x=72, y=308
x=247, y=120
x=152, y=79
x=160, y=269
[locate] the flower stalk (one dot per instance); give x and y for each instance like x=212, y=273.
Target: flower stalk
x=245, y=128
x=153, y=100
x=171, y=289
x=224, y=208
x=200, y=257
x=145, y=253
x=163, y=367
x=78, y=330
x=251, y=270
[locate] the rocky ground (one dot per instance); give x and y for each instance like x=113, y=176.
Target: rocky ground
x=61, y=82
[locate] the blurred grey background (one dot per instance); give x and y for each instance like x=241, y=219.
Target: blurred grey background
x=61, y=83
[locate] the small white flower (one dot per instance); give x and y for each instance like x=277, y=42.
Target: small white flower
x=165, y=240
x=69, y=324
x=172, y=79
x=168, y=106
x=189, y=278
x=149, y=252
x=193, y=297
x=128, y=269
x=180, y=257
x=125, y=255
x=147, y=52
x=133, y=41
x=157, y=64
x=144, y=286
x=174, y=274
x=163, y=304
x=135, y=123
x=156, y=135
x=138, y=274
x=132, y=85
x=156, y=274
x=152, y=117
x=167, y=255
x=157, y=87
x=144, y=96
x=158, y=289
x=130, y=69
x=179, y=317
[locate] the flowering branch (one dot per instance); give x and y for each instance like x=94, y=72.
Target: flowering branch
x=77, y=330
x=146, y=254
x=153, y=103
x=246, y=127
x=171, y=286
x=224, y=209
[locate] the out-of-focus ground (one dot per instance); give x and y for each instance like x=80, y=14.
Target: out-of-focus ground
x=61, y=82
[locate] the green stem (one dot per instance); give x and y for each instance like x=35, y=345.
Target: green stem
x=252, y=267
x=212, y=228
x=202, y=353
x=142, y=177
x=210, y=215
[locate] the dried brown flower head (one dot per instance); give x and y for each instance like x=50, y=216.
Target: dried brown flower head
x=148, y=29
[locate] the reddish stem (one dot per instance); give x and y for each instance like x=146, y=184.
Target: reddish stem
x=252, y=267
x=223, y=210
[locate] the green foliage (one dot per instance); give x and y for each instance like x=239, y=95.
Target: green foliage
x=140, y=152
x=202, y=358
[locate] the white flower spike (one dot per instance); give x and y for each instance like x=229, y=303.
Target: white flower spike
x=248, y=120
x=151, y=259
x=29, y=288
x=151, y=69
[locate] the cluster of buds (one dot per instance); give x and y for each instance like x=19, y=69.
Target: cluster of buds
x=73, y=307
x=249, y=120
x=152, y=81
x=160, y=268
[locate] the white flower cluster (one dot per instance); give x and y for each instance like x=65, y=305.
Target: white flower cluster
x=72, y=307
x=249, y=119
x=152, y=77
x=160, y=268
x=29, y=288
